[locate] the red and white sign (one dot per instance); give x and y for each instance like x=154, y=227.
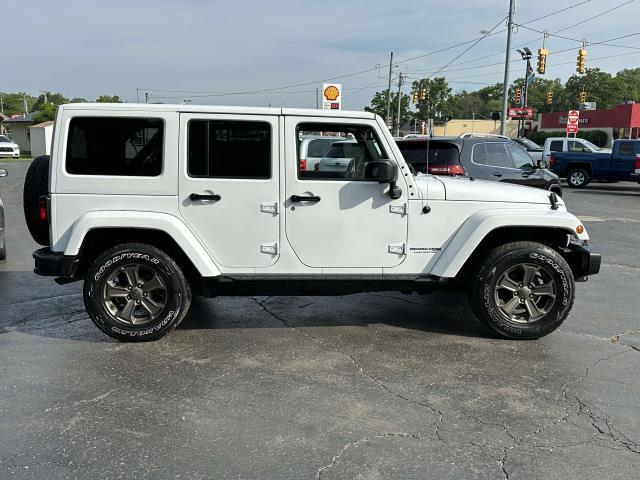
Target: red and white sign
x=573, y=119
x=331, y=96
x=519, y=113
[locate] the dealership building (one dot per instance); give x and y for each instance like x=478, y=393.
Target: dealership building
x=621, y=121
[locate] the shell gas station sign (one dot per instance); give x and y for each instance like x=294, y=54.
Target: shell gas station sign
x=331, y=96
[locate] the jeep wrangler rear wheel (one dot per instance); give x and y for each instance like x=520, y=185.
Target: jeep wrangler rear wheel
x=136, y=292
x=522, y=290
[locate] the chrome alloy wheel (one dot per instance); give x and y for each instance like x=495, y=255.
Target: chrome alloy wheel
x=577, y=178
x=525, y=293
x=134, y=294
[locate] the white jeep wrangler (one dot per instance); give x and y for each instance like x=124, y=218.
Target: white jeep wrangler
x=151, y=204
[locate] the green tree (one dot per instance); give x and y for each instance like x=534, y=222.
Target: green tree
x=108, y=99
x=378, y=106
x=437, y=98
x=464, y=104
x=13, y=104
x=600, y=87
x=53, y=98
x=46, y=113
x=630, y=79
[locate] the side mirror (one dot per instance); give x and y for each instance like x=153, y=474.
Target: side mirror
x=543, y=164
x=385, y=171
x=3, y=172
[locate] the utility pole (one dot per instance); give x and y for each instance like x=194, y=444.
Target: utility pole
x=507, y=60
x=400, y=82
x=389, y=90
x=146, y=97
x=317, y=98
x=24, y=102
x=1, y=105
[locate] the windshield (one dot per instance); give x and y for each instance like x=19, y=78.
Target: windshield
x=529, y=144
x=5, y=139
x=591, y=146
x=440, y=153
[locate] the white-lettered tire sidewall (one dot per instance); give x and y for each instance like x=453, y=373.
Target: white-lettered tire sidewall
x=94, y=283
x=564, y=301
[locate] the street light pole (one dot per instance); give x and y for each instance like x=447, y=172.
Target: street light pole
x=507, y=60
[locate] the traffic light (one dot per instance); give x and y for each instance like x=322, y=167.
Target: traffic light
x=549, y=97
x=542, y=60
x=414, y=96
x=423, y=94
x=580, y=64
x=583, y=97
x=518, y=95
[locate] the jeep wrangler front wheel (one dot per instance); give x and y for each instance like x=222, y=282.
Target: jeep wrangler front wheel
x=136, y=292
x=522, y=290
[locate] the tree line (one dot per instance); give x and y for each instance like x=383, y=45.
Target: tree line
x=601, y=87
x=43, y=106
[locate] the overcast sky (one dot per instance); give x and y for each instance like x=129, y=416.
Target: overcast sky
x=87, y=48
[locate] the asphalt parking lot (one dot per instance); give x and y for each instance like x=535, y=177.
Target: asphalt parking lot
x=365, y=386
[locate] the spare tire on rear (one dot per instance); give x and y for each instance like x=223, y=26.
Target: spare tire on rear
x=36, y=184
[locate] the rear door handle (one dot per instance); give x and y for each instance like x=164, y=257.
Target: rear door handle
x=497, y=174
x=198, y=196
x=298, y=198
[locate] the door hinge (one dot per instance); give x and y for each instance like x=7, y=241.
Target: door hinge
x=270, y=248
x=400, y=208
x=269, y=207
x=397, y=248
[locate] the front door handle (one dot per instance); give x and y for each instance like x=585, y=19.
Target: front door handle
x=497, y=174
x=298, y=198
x=198, y=196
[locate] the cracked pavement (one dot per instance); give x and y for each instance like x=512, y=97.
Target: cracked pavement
x=370, y=386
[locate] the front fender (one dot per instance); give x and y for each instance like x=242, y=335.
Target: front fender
x=164, y=222
x=481, y=223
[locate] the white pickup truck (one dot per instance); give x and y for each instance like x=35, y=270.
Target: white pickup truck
x=151, y=204
x=566, y=144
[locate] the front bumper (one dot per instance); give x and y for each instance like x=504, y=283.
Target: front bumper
x=54, y=264
x=584, y=259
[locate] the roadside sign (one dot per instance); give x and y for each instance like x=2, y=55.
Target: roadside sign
x=520, y=113
x=331, y=96
x=573, y=119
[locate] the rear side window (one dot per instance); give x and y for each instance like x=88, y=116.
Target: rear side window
x=115, y=146
x=556, y=146
x=317, y=148
x=574, y=146
x=627, y=148
x=497, y=156
x=437, y=153
x=229, y=149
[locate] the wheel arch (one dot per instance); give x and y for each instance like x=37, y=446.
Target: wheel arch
x=579, y=166
x=488, y=229
x=95, y=232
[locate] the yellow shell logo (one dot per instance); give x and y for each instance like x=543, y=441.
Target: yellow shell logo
x=331, y=93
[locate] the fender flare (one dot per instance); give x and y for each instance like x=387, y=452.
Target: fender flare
x=464, y=242
x=170, y=224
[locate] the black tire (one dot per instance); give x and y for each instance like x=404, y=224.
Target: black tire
x=578, y=178
x=36, y=184
x=485, y=297
x=3, y=250
x=175, y=301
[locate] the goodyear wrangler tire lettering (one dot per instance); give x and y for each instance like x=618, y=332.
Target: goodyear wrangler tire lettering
x=535, y=309
x=116, y=282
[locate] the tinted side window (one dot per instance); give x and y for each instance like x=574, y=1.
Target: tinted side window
x=519, y=157
x=574, y=146
x=627, y=148
x=497, y=155
x=115, y=146
x=479, y=155
x=349, y=155
x=229, y=149
x=556, y=146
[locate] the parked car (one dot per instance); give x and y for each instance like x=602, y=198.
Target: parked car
x=8, y=148
x=312, y=148
x=566, y=144
x=3, y=242
x=534, y=150
x=579, y=168
x=486, y=157
x=147, y=228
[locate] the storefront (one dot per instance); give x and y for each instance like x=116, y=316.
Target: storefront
x=621, y=121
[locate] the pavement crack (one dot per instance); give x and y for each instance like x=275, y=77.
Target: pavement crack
x=336, y=458
x=503, y=462
x=440, y=416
